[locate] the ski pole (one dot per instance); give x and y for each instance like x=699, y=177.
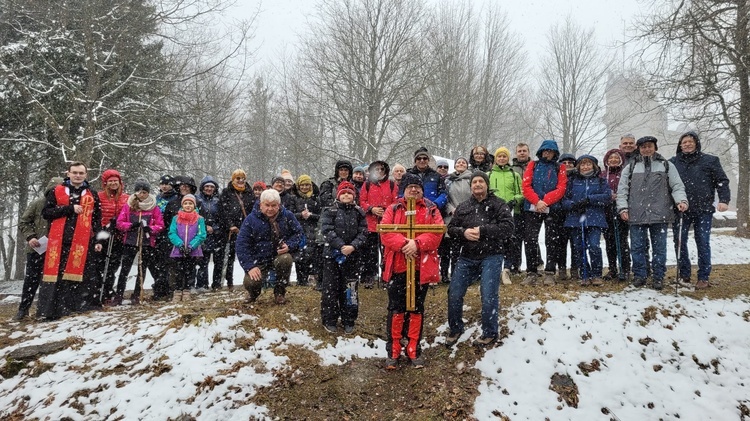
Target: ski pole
x=621, y=274
x=225, y=261
x=584, y=262
x=140, y=264
x=679, y=252
x=106, y=263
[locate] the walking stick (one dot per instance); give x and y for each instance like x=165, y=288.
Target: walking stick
x=225, y=263
x=106, y=263
x=621, y=274
x=679, y=249
x=584, y=262
x=140, y=264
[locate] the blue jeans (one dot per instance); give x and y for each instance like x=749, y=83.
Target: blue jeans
x=592, y=268
x=639, y=237
x=467, y=270
x=702, y=229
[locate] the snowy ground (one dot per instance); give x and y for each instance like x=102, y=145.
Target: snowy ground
x=660, y=356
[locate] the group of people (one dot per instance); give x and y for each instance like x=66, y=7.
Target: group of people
x=362, y=225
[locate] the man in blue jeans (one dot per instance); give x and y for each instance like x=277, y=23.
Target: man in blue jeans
x=646, y=195
x=703, y=177
x=481, y=225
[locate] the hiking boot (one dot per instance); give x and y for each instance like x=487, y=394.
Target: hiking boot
x=702, y=285
x=20, y=316
x=485, y=340
x=506, y=277
x=251, y=298
x=562, y=275
x=597, y=282
x=452, y=340
x=530, y=279
x=658, y=284
x=391, y=363
x=280, y=299
x=639, y=282
x=135, y=300
x=330, y=328
x=348, y=329
x=575, y=274
x=611, y=275
x=417, y=362
x=548, y=278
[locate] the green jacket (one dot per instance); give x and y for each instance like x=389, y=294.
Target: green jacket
x=506, y=184
x=31, y=224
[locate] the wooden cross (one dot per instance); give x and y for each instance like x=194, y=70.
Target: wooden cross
x=410, y=230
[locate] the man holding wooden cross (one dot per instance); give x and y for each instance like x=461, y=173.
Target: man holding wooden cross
x=411, y=230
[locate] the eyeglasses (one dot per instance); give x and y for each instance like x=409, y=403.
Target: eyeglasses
x=421, y=158
x=443, y=167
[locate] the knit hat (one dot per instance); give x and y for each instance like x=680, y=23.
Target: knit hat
x=442, y=163
x=410, y=179
x=141, y=184
x=188, y=197
x=359, y=168
x=278, y=179
x=502, y=150
x=166, y=179
x=479, y=173
x=567, y=157
x=260, y=184
x=646, y=139
x=421, y=152
x=590, y=158
x=346, y=187
x=111, y=174
x=304, y=179
x=286, y=175
x=460, y=158
x=238, y=173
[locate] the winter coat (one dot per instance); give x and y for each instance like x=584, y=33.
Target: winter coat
x=52, y=211
x=703, y=177
x=427, y=261
x=32, y=224
x=163, y=199
x=459, y=191
x=191, y=234
x=208, y=207
x=545, y=179
x=377, y=194
x=343, y=225
x=519, y=167
x=112, y=206
x=299, y=203
x=257, y=244
x=589, y=196
x=131, y=218
x=433, y=186
x=649, y=189
x=328, y=187
x=506, y=184
x=234, y=207
x=494, y=219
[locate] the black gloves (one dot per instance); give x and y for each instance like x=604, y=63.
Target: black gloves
x=581, y=206
x=511, y=204
x=186, y=250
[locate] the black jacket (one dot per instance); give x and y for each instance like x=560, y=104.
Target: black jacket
x=52, y=211
x=298, y=203
x=341, y=225
x=495, y=222
x=231, y=205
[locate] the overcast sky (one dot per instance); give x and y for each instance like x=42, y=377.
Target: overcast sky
x=281, y=22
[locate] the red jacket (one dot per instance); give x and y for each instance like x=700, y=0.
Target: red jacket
x=381, y=194
x=428, y=262
x=551, y=197
x=111, y=206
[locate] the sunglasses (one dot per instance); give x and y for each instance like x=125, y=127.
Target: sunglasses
x=422, y=158
x=443, y=166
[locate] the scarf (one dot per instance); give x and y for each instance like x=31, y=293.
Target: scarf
x=306, y=195
x=143, y=205
x=187, y=218
x=239, y=188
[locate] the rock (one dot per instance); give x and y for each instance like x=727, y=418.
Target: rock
x=28, y=353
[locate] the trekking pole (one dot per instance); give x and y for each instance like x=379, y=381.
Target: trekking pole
x=140, y=264
x=679, y=249
x=225, y=261
x=106, y=263
x=621, y=274
x=584, y=262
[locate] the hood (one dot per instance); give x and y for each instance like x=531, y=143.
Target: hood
x=345, y=164
x=206, y=180
x=548, y=145
x=568, y=156
x=53, y=182
x=183, y=179
x=386, y=169
x=692, y=134
x=610, y=153
x=489, y=159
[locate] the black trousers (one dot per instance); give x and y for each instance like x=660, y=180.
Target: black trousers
x=149, y=260
x=31, y=279
x=340, y=292
x=554, y=238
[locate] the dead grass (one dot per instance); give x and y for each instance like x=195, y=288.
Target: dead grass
x=362, y=389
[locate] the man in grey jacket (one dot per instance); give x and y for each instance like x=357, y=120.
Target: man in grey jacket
x=646, y=197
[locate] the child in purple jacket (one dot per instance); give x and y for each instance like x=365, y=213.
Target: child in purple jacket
x=186, y=232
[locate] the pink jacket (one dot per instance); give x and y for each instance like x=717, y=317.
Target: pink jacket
x=129, y=219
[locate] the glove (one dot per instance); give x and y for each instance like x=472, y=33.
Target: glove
x=512, y=204
x=144, y=223
x=146, y=229
x=186, y=250
x=581, y=206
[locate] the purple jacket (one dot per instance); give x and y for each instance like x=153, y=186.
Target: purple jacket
x=193, y=235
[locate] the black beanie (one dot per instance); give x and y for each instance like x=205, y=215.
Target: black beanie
x=166, y=179
x=141, y=184
x=410, y=178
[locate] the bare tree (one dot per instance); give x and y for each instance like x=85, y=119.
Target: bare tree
x=365, y=61
x=698, y=54
x=572, y=87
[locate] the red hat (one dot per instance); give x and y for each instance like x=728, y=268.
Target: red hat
x=260, y=184
x=110, y=173
x=346, y=186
